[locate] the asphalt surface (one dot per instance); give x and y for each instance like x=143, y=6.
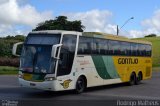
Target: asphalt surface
x=11, y=92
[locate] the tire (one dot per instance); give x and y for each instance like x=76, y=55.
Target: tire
x=80, y=85
x=132, y=79
x=139, y=78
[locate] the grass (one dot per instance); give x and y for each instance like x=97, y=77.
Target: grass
x=155, y=49
x=156, y=69
x=7, y=70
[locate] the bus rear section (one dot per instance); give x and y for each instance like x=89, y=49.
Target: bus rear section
x=108, y=59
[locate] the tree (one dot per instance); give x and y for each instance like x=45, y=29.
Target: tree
x=20, y=37
x=5, y=49
x=6, y=44
x=60, y=23
x=17, y=37
x=151, y=35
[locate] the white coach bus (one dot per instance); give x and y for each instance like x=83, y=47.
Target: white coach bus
x=63, y=60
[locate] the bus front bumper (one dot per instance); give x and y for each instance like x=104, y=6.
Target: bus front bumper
x=45, y=85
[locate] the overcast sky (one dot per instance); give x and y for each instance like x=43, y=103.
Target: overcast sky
x=21, y=16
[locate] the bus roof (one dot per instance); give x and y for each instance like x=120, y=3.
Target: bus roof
x=93, y=34
x=56, y=32
x=113, y=37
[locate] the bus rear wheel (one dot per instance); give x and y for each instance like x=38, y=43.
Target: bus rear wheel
x=139, y=78
x=80, y=85
x=132, y=79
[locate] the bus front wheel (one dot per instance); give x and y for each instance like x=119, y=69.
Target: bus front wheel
x=80, y=85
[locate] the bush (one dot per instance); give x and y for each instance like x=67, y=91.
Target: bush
x=151, y=35
x=5, y=49
x=6, y=44
x=5, y=61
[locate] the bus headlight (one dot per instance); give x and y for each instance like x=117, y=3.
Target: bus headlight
x=20, y=75
x=50, y=78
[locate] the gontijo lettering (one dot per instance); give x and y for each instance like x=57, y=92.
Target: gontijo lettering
x=128, y=61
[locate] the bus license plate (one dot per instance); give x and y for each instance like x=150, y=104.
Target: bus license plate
x=32, y=84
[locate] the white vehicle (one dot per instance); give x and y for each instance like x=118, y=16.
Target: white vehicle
x=63, y=60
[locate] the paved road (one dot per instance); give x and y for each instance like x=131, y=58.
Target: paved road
x=147, y=90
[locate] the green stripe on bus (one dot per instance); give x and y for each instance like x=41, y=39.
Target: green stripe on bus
x=105, y=67
x=109, y=64
x=100, y=67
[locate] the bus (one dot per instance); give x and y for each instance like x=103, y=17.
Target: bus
x=56, y=60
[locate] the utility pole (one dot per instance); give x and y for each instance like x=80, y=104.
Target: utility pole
x=118, y=29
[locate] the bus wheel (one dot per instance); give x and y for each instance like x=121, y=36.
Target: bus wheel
x=80, y=85
x=132, y=79
x=139, y=78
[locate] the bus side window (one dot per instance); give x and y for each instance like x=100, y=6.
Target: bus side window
x=125, y=48
x=142, y=51
x=100, y=46
x=114, y=47
x=134, y=49
x=67, y=55
x=148, y=50
x=85, y=45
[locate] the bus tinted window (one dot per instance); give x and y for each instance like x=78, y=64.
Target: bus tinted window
x=141, y=50
x=66, y=54
x=125, y=48
x=45, y=39
x=69, y=42
x=85, y=45
x=134, y=49
x=148, y=50
x=100, y=46
x=114, y=47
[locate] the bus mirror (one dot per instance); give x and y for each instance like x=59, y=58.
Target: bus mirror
x=54, y=51
x=16, y=49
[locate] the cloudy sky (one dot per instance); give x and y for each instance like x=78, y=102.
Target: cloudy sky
x=21, y=16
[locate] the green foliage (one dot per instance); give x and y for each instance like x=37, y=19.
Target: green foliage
x=60, y=23
x=4, y=48
x=8, y=61
x=6, y=44
x=17, y=37
x=151, y=35
x=6, y=70
x=20, y=37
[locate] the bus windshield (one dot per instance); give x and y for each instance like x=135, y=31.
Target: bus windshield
x=36, y=54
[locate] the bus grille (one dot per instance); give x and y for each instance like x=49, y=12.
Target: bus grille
x=148, y=71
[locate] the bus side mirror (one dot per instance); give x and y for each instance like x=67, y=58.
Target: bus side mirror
x=15, y=48
x=54, y=51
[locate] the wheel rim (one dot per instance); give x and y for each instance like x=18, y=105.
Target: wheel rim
x=80, y=85
x=139, y=77
x=132, y=79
